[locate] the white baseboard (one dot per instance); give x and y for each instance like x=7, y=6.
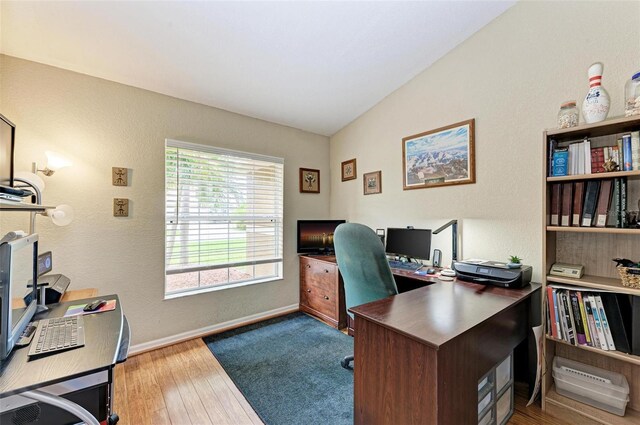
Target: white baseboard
x=208, y=330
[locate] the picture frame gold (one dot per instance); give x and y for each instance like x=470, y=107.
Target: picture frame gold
x=309, y=180
x=372, y=182
x=441, y=157
x=349, y=170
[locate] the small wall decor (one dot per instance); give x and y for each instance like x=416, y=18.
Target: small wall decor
x=441, y=157
x=349, y=170
x=120, y=207
x=119, y=176
x=372, y=182
x=309, y=180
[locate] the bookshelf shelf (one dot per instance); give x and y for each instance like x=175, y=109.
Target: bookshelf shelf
x=629, y=174
x=596, y=282
x=20, y=206
x=629, y=358
x=592, y=247
x=611, y=230
x=631, y=417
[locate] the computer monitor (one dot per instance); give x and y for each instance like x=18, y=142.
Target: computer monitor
x=410, y=243
x=18, y=272
x=7, y=140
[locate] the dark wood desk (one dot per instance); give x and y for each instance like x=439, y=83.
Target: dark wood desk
x=419, y=355
x=106, y=342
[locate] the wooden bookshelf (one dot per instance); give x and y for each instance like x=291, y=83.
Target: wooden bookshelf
x=581, y=410
x=630, y=358
x=612, y=230
x=596, y=282
x=576, y=177
x=593, y=247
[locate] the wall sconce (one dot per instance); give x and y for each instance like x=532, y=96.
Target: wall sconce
x=55, y=162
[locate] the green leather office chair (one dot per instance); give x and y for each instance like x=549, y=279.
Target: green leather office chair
x=363, y=266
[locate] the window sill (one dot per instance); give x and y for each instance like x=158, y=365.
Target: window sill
x=218, y=288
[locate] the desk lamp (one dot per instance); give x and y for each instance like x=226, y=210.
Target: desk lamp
x=448, y=272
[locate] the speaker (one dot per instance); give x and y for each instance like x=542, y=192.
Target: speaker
x=437, y=257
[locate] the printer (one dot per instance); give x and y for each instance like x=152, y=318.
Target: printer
x=492, y=273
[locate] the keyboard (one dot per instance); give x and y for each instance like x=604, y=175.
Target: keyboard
x=404, y=265
x=57, y=334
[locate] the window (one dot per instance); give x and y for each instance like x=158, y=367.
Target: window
x=223, y=218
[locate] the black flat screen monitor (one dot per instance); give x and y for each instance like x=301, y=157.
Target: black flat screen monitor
x=7, y=142
x=316, y=236
x=411, y=243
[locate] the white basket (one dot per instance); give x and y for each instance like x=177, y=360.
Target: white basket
x=596, y=387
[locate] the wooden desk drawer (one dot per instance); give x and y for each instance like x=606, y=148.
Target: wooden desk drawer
x=320, y=300
x=318, y=271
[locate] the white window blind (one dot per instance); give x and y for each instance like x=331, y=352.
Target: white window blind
x=224, y=213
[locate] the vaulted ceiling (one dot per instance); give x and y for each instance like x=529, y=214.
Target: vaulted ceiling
x=311, y=65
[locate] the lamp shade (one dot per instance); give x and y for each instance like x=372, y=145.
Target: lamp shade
x=56, y=161
x=62, y=215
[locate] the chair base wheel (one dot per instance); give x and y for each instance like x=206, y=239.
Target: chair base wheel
x=345, y=362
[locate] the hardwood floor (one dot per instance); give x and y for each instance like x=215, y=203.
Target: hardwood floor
x=184, y=384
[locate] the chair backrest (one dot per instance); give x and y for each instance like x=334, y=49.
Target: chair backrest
x=363, y=265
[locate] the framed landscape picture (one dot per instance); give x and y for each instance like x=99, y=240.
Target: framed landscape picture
x=372, y=182
x=441, y=157
x=309, y=180
x=349, y=170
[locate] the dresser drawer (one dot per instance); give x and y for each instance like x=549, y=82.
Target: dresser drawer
x=318, y=273
x=320, y=300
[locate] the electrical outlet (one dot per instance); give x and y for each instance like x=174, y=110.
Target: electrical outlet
x=120, y=207
x=119, y=176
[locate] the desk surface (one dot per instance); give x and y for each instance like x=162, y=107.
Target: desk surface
x=436, y=314
x=103, y=333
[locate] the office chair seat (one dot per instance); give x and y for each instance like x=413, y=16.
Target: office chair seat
x=364, y=268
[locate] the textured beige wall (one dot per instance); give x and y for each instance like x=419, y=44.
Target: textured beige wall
x=511, y=77
x=100, y=124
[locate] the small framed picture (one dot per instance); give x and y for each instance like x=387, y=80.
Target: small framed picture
x=349, y=170
x=309, y=180
x=372, y=182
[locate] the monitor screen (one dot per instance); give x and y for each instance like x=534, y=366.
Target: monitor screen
x=7, y=136
x=18, y=271
x=412, y=243
x=316, y=236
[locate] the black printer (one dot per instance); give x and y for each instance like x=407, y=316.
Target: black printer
x=492, y=273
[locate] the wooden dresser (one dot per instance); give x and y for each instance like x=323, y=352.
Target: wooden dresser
x=322, y=290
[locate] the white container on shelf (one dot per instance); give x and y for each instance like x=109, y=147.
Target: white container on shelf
x=596, y=387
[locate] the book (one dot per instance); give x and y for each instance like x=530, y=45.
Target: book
x=590, y=203
x=595, y=341
x=583, y=316
x=623, y=203
x=553, y=144
x=560, y=162
x=604, y=200
x=581, y=338
x=556, y=203
x=596, y=318
x=605, y=323
x=571, y=334
x=578, y=197
x=620, y=153
x=556, y=314
x=627, y=165
x=550, y=309
x=635, y=150
x=618, y=310
x=564, y=329
x=567, y=203
x=597, y=160
x=613, y=217
x=586, y=155
x=635, y=329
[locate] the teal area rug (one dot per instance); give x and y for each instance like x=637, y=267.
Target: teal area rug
x=288, y=368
